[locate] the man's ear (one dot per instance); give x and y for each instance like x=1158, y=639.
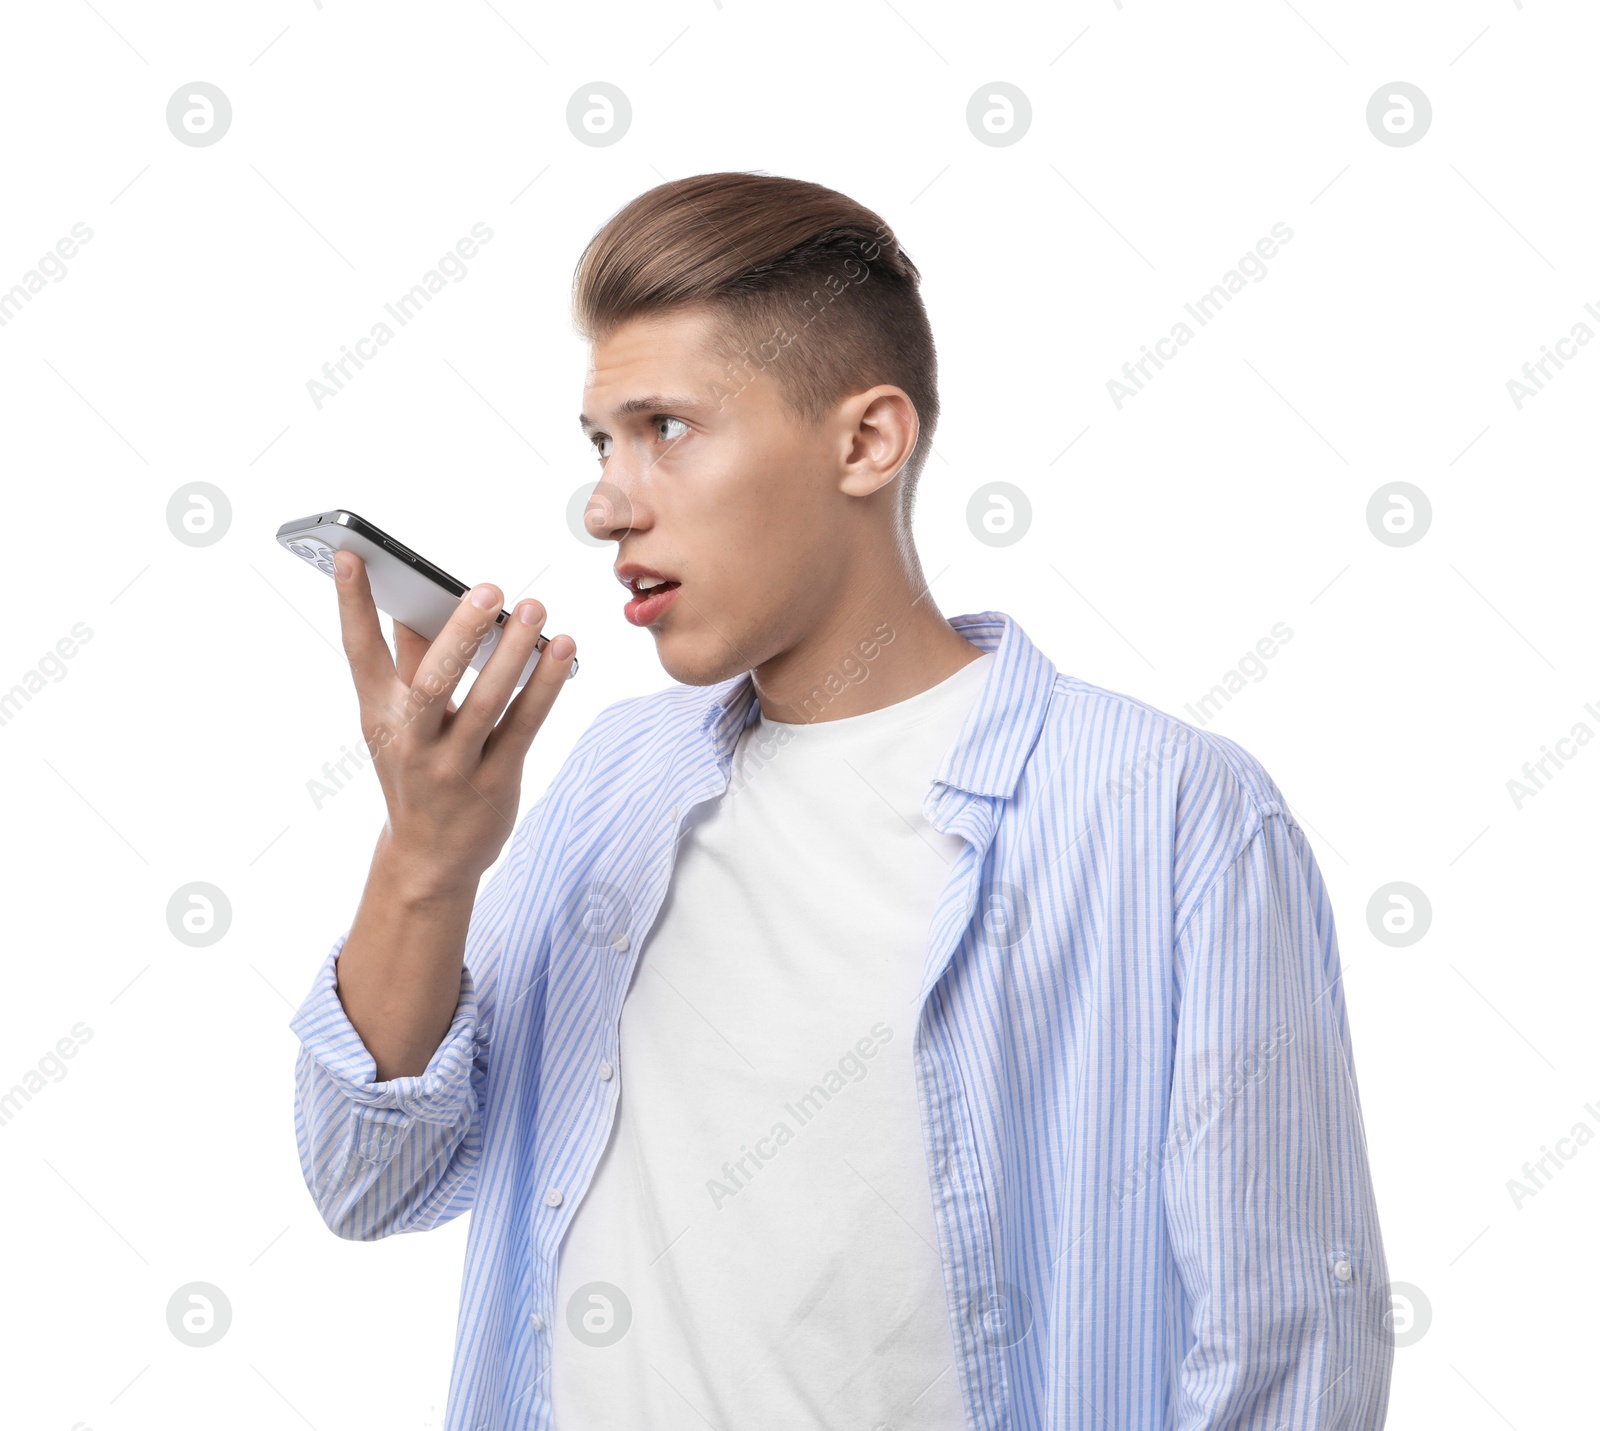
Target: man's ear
x=880, y=434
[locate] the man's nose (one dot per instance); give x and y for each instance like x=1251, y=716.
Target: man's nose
x=610, y=514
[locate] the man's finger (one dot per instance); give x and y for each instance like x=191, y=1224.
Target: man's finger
x=368, y=653
x=447, y=659
x=483, y=705
x=509, y=741
x=409, y=649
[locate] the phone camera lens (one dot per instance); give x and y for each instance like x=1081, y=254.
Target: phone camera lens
x=317, y=553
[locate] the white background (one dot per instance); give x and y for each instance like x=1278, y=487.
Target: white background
x=1229, y=495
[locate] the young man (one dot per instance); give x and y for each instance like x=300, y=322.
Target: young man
x=876, y=1028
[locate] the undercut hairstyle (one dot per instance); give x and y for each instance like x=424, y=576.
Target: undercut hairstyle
x=803, y=282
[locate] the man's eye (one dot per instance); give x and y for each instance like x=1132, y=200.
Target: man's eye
x=602, y=446
x=671, y=436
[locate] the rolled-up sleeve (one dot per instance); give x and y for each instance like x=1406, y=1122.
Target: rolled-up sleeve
x=1271, y=1218
x=385, y=1157
x=403, y=1155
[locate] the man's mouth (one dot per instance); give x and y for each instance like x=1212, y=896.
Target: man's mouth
x=648, y=585
x=651, y=597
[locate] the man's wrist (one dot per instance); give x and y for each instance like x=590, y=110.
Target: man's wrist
x=421, y=883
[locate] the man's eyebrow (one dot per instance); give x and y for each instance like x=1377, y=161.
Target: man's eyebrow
x=652, y=403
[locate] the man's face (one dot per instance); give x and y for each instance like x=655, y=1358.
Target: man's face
x=707, y=479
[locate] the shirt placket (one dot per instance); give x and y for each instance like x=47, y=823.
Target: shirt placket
x=960, y=1193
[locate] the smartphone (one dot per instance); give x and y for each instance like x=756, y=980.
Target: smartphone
x=406, y=586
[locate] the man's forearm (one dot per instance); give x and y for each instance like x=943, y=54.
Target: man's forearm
x=399, y=973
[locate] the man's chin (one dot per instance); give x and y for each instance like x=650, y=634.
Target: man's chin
x=691, y=663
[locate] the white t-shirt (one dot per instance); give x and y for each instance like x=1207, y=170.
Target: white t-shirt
x=763, y=1205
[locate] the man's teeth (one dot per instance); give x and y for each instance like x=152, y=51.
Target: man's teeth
x=648, y=583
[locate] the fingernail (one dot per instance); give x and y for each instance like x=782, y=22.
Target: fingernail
x=343, y=567
x=525, y=613
x=562, y=647
x=485, y=598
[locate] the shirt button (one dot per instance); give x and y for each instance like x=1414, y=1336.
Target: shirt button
x=553, y=1197
x=621, y=946
x=605, y=1070
x=537, y=1322
x=1342, y=1270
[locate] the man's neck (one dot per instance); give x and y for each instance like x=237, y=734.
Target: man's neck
x=868, y=654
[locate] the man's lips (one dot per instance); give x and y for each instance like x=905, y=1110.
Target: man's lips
x=644, y=608
x=631, y=573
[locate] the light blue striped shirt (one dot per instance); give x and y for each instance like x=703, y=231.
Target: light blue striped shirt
x=1148, y=1168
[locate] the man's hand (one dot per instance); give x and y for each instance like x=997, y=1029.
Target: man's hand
x=451, y=775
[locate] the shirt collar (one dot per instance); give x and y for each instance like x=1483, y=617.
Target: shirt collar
x=995, y=741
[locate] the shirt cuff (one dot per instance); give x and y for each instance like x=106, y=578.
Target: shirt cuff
x=436, y=1095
